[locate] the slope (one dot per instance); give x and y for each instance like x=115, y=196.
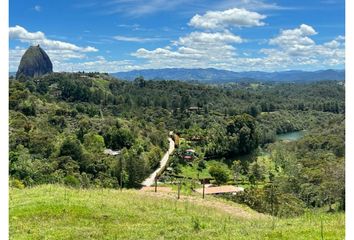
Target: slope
x=55, y=212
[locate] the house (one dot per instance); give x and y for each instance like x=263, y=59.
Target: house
x=193, y=108
x=111, y=152
x=189, y=154
x=226, y=189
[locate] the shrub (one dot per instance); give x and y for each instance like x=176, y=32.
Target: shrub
x=219, y=173
x=271, y=202
x=72, y=181
x=16, y=183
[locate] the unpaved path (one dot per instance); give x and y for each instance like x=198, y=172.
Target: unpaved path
x=227, y=207
x=150, y=180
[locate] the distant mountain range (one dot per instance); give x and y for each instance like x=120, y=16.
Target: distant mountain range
x=211, y=75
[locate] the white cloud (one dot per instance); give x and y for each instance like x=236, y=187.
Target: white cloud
x=197, y=49
x=100, y=64
x=139, y=8
x=197, y=38
x=35, y=38
x=61, y=60
x=296, y=38
x=295, y=47
x=234, y=17
x=19, y=32
x=58, y=51
x=135, y=39
x=291, y=49
x=37, y=8
x=250, y=5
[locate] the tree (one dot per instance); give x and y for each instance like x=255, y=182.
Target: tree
x=135, y=167
x=71, y=147
x=140, y=82
x=236, y=169
x=254, y=110
x=94, y=142
x=118, y=138
x=256, y=172
x=219, y=173
x=241, y=131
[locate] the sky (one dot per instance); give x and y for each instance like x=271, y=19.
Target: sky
x=237, y=35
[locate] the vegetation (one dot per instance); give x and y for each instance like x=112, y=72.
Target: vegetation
x=61, y=123
x=56, y=212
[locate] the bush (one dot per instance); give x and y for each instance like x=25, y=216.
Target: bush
x=16, y=183
x=219, y=173
x=72, y=181
x=270, y=201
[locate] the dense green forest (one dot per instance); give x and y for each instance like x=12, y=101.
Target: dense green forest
x=61, y=123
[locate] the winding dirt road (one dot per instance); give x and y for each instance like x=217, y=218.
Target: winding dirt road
x=150, y=180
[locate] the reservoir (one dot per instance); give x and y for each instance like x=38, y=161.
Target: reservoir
x=290, y=136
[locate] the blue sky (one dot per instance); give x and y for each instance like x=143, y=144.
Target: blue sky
x=121, y=35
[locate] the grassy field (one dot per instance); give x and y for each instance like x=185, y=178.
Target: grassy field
x=56, y=212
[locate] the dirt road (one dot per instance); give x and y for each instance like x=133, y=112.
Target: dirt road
x=150, y=180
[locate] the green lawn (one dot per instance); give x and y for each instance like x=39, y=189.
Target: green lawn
x=56, y=212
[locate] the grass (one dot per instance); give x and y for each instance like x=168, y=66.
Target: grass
x=191, y=170
x=57, y=212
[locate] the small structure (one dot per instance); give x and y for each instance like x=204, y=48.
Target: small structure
x=111, y=152
x=189, y=154
x=227, y=189
x=191, y=109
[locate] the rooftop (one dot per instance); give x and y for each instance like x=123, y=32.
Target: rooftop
x=220, y=189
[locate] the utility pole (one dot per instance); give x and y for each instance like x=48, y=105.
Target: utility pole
x=121, y=180
x=203, y=188
x=156, y=184
x=179, y=189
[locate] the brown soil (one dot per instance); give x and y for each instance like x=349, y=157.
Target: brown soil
x=209, y=202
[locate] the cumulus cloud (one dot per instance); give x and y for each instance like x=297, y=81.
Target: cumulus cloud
x=197, y=49
x=58, y=51
x=295, y=37
x=235, y=17
x=296, y=47
x=100, y=64
x=62, y=61
x=35, y=38
x=197, y=38
x=292, y=48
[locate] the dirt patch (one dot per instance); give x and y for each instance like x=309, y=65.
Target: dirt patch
x=211, y=202
x=159, y=189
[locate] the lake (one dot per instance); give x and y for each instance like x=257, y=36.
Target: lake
x=290, y=136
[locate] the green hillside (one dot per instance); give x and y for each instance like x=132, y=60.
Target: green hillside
x=56, y=212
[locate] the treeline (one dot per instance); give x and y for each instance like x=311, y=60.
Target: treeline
x=59, y=138
x=60, y=123
x=308, y=173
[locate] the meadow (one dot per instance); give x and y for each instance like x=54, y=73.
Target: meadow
x=58, y=212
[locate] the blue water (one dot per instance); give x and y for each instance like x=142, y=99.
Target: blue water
x=290, y=136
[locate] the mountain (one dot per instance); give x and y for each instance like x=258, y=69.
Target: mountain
x=35, y=62
x=211, y=75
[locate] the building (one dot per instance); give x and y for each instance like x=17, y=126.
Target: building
x=189, y=154
x=227, y=189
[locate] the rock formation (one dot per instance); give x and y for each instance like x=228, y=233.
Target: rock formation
x=35, y=62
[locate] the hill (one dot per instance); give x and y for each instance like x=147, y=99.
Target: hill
x=35, y=62
x=211, y=75
x=56, y=212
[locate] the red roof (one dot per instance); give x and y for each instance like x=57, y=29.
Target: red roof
x=220, y=189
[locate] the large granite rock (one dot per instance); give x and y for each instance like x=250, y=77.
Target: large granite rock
x=35, y=62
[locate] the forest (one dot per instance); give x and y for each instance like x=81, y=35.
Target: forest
x=61, y=123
